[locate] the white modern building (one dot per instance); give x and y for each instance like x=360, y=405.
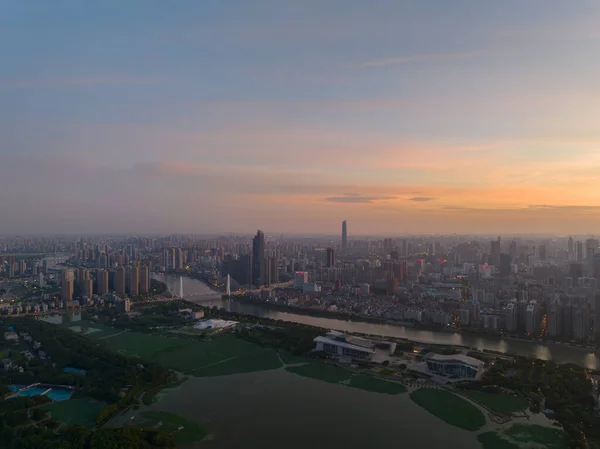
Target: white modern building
x=342, y=345
x=214, y=324
x=458, y=366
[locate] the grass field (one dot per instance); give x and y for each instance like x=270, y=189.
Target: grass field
x=548, y=437
x=81, y=411
x=450, y=408
x=321, y=371
x=376, y=385
x=491, y=440
x=523, y=436
x=217, y=357
x=502, y=403
x=190, y=433
x=291, y=359
x=96, y=330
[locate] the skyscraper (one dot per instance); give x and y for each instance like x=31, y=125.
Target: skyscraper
x=133, y=280
x=330, y=257
x=144, y=280
x=344, y=237
x=120, y=281
x=258, y=259
x=571, y=248
x=102, y=280
x=495, y=252
x=66, y=282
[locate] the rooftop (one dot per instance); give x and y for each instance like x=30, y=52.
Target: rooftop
x=461, y=358
x=343, y=344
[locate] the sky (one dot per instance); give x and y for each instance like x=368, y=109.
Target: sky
x=423, y=116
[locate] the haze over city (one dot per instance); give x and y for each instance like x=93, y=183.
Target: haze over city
x=205, y=117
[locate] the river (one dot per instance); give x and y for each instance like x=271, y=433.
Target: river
x=196, y=291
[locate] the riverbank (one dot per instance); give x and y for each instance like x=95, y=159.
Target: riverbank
x=197, y=292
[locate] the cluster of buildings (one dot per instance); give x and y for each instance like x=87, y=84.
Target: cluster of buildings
x=540, y=287
x=131, y=280
x=443, y=368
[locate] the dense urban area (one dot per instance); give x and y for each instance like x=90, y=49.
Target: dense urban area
x=76, y=308
x=541, y=288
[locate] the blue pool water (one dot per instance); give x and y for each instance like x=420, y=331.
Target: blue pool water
x=56, y=394
x=60, y=395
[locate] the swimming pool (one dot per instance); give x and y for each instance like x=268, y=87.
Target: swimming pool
x=56, y=394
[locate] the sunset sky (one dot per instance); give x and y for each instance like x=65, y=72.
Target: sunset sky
x=207, y=116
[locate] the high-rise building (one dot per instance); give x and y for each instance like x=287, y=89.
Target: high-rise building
x=86, y=287
x=102, y=282
x=66, y=282
x=495, y=252
x=133, y=280
x=512, y=250
x=580, y=322
x=144, y=280
x=344, y=237
x=571, y=248
x=542, y=252
x=120, y=281
x=258, y=259
x=179, y=259
x=555, y=319
x=300, y=278
x=579, y=251
x=532, y=319
x=505, y=263
x=330, y=257
x=273, y=268
x=512, y=316
x=241, y=270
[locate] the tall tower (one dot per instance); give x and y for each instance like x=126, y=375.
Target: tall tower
x=181, y=287
x=330, y=257
x=571, y=248
x=120, y=281
x=258, y=259
x=133, y=276
x=144, y=280
x=228, y=285
x=344, y=237
x=102, y=281
x=66, y=282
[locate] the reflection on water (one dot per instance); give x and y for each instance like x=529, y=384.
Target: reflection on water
x=197, y=291
x=246, y=411
x=542, y=353
x=590, y=361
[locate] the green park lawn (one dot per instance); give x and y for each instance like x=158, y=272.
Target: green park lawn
x=321, y=371
x=80, y=411
x=91, y=329
x=170, y=423
x=219, y=356
x=523, y=436
x=449, y=407
x=290, y=359
x=373, y=384
x=501, y=403
x=491, y=440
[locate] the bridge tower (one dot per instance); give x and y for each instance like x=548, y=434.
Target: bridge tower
x=228, y=285
x=181, y=287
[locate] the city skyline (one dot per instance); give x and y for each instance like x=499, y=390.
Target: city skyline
x=207, y=118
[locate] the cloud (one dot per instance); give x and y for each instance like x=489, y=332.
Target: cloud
x=91, y=81
x=421, y=199
x=433, y=57
x=572, y=209
x=357, y=198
